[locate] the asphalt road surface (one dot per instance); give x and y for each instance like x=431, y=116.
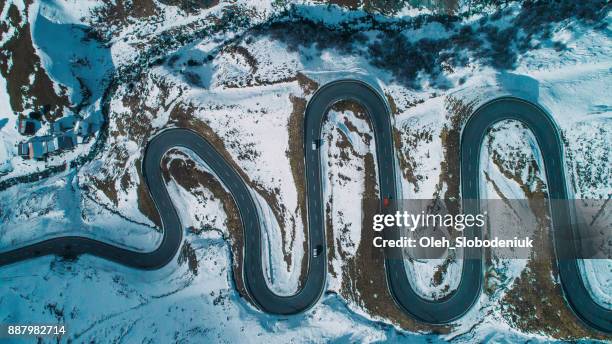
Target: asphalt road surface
x=434, y=312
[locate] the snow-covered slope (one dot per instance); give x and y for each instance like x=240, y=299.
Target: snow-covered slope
x=240, y=73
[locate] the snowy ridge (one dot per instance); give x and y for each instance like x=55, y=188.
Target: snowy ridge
x=241, y=89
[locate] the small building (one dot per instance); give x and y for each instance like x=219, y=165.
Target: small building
x=28, y=126
x=23, y=150
x=35, y=115
x=66, y=140
x=81, y=128
x=50, y=144
x=37, y=148
x=63, y=124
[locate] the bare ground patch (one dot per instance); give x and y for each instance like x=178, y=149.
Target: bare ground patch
x=252, y=79
x=191, y=6
x=447, y=188
x=296, y=160
x=295, y=127
x=186, y=173
x=19, y=64
x=535, y=302
x=406, y=143
x=457, y=114
x=134, y=124
x=364, y=280
x=364, y=276
x=181, y=115
x=390, y=7
x=188, y=255
x=121, y=12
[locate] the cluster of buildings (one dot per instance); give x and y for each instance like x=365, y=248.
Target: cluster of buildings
x=65, y=133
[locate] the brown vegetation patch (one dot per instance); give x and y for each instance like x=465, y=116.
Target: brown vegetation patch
x=279, y=209
x=457, y=114
x=186, y=173
x=438, y=277
x=234, y=50
x=534, y=187
x=392, y=106
x=189, y=256
x=407, y=161
x=14, y=16
x=191, y=6
x=295, y=154
x=252, y=79
x=108, y=188
x=364, y=280
x=391, y=7
x=119, y=12
x=408, y=140
x=2, y=4
x=20, y=51
x=308, y=85
x=135, y=125
x=352, y=106
x=359, y=112
x=350, y=4
x=364, y=276
x=181, y=116
x=145, y=202
x=346, y=149
x=535, y=303
x=329, y=238
x=142, y=8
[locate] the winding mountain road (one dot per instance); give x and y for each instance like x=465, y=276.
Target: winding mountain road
x=434, y=312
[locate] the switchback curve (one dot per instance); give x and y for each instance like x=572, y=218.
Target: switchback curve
x=434, y=312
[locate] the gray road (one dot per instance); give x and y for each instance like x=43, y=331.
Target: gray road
x=435, y=312
x=458, y=303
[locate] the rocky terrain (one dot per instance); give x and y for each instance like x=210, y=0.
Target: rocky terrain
x=240, y=74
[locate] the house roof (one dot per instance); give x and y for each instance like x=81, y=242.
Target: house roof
x=23, y=149
x=28, y=126
x=81, y=128
x=64, y=123
x=66, y=141
x=37, y=150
